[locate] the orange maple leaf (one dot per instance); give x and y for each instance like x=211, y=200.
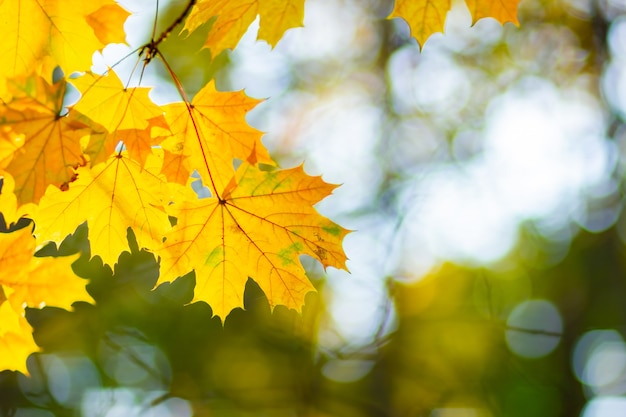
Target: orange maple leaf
x=138, y=142
x=429, y=16
x=257, y=228
x=28, y=281
x=209, y=133
x=231, y=18
x=46, y=144
x=501, y=10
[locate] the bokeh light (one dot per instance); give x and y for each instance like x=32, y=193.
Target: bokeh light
x=534, y=328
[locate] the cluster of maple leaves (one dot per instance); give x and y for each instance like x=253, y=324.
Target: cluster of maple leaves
x=116, y=160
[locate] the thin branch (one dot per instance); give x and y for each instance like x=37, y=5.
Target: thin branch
x=533, y=331
x=171, y=27
x=156, y=19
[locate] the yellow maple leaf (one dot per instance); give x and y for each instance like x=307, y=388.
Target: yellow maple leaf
x=68, y=30
x=46, y=144
x=21, y=46
x=109, y=103
x=16, y=339
x=428, y=16
x=111, y=197
x=257, y=228
x=115, y=114
x=501, y=10
x=32, y=281
x=9, y=208
x=28, y=281
x=9, y=144
x=209, y=133
x=108, y=22
x=34, y=90
x=231, y=19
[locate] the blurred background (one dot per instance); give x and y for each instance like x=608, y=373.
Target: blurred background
x=484, y=179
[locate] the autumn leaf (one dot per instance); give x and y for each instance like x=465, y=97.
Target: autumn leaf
x=209, y=133
x=175, y=167
x=9, y=209
x=231, y=19
x=8, y=201
x=277, y=17
x=29, y=281
x=110, y=197
x=501, y=10
x=138, y=142
x=21, y=46
x=117, y=113
x=9, y=144
x=16, y=339
x=46, y=143
x=257, y=228
x=256, y=223
x=107, y=23
x=32, y=281
x=34, y=90
x=68, y=30
x=108, y=102
x=429, y=16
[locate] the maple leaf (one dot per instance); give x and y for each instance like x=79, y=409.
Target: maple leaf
x=429, y=16
x=257, y=222
x=9, y=208
x=117, y=113
x=68, y=30
x=107, y=23
x=257, y=228
x=32, y=281
x=46, y=144
x=138, y=143
x=501, y=10
x=28, y=281
x=108, y=102
x=16, y=340
x=175, y=167
x=111, y=197
x=9, y=143
x=34, y=90
x=231, y=19
x=209, y=133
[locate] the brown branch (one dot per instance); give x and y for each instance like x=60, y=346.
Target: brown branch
x=171, y=27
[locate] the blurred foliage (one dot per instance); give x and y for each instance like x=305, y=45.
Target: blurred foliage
x=449, y=351
x=195, y=65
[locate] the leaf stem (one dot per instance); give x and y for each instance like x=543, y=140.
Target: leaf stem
x=185, y=98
